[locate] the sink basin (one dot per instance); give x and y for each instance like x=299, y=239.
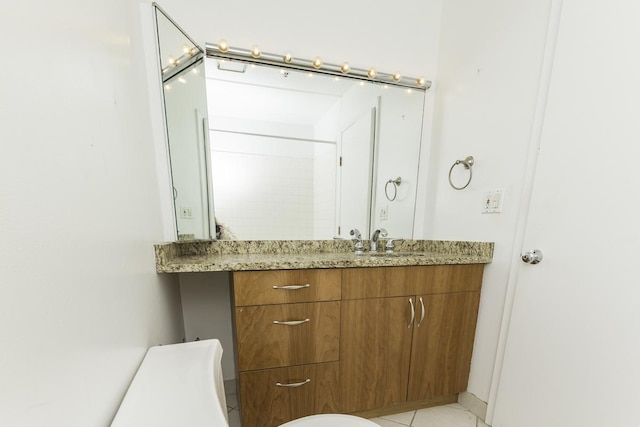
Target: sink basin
x=395, y=254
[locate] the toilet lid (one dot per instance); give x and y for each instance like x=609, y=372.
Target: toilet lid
x=335, y=420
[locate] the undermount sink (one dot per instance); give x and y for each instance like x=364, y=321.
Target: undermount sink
x=395, y=254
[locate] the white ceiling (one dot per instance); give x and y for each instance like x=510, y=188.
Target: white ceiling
x=271, y=94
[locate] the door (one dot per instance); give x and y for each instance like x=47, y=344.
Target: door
x=356, y=157
x=572, y=355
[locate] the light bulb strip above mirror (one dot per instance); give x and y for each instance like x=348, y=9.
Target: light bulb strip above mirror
x=222, y=50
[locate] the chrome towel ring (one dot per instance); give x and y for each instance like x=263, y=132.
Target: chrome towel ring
x=468, y=163
x=396, y=183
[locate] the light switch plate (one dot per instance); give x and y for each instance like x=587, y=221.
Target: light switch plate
x=492, y=201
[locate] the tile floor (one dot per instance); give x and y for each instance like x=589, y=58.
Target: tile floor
x=453, y=415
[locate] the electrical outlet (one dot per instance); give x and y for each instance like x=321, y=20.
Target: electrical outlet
x=384, y=213
x=185, y=212
x=492, y=201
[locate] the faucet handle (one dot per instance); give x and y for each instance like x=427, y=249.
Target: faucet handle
x=356, y=233
x=383, y=232
x=389, y=247
x=359, y=247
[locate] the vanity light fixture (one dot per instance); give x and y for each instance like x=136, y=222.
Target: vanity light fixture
x=223, y=45
x=222, y=51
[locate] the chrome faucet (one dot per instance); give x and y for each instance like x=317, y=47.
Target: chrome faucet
x=357, y=237
x=373, y=243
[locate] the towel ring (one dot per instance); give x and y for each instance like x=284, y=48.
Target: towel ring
x=396, y=183
x=468, y=162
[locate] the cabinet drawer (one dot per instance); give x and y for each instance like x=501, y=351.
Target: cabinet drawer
x=286, y=286
x=264, y=403
x=311, y=335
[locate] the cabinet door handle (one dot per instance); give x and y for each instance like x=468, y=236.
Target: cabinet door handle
x=308, y=380
x=292, y=322
x=292, y=287
x=421, y=317
x=413, y=313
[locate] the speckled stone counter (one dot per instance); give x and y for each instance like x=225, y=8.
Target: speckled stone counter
x=200, y=256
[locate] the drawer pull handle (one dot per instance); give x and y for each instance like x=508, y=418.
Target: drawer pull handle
x=413, y=313
x=308, y=380
x=292, y=322
x=292, y=287
x=421, y=317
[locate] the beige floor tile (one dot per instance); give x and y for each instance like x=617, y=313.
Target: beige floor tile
x=404, y=418
x=444, y=416
x=234, y=418
x=386, y=423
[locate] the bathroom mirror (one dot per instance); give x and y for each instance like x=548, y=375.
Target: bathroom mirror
x=185, y=107
x=288, y=154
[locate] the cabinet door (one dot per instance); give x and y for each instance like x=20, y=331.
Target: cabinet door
x=442, y=344
x=375, y=347
x=305, y=333
x=272, y=397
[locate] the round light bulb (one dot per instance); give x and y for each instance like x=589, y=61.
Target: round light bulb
x=185, y=49
x=372, y=73
x=421, y=81
x=396, y=77
x=223, y=46
x=345, y=67
x=255, y=52
x=288, y=58
x=317, y=62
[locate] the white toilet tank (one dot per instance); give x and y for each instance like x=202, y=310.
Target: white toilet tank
x=170, y=389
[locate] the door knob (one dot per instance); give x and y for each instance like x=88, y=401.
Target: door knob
x=532, y=257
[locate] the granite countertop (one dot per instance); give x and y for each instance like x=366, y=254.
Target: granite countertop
x=201, y=256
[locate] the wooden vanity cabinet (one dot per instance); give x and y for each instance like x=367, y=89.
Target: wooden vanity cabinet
x=407, y=334
x=287, y=329
x=376, y=339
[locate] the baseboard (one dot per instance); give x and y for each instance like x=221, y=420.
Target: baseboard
x=473, y=404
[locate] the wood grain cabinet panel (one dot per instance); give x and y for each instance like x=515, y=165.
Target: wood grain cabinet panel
x=413, y=348
x=376, y=349
x=264, y=403
x=442, y=344
x=312, y=336
x=286, y=286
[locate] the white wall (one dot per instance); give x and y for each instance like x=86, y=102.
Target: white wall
x=488, y=73
x=80, y=301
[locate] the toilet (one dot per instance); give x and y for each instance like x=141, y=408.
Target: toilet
x=182, y=384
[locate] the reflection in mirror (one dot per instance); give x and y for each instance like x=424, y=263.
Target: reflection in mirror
x=299, y=155
x=185, y=104
x=286, y=153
